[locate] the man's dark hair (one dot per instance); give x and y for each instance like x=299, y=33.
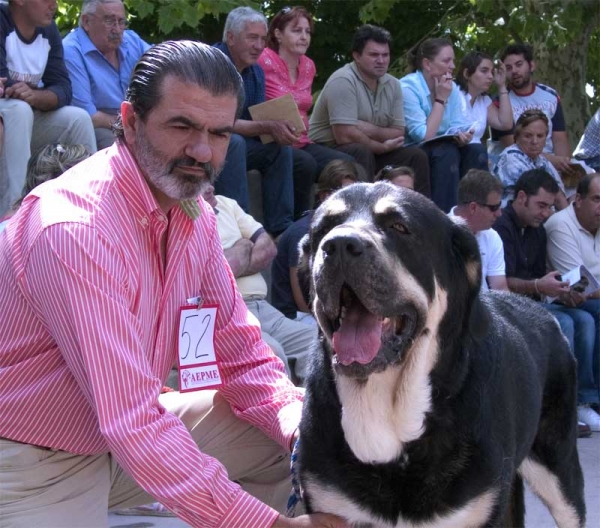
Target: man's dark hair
x=476, y=186
x=369, y=32
x=531, y=181
x=518, y=49
x=189, y=61
x=583, y=187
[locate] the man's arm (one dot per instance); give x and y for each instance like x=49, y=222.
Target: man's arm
x=563, y=251
x=247, y=258
x=345, y=134
x=55, y=77
x=379, y=133
x=238, y=256
x=99, y=338
x=497, y=282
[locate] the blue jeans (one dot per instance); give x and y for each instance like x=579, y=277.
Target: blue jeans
x=581, y=330
x=448, y=163
x=309, y=161
x=274, y=162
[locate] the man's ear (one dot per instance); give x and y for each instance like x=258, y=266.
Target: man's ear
x=532, y=66
x=130, y=122
x=229, y=38
x=520, y=197
x=466, y=73
x=355, y=55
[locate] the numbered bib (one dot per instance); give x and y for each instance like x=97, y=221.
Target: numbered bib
x=198, y=366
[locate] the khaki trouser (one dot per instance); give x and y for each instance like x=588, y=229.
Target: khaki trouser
x=26, y=130
x=45, y=488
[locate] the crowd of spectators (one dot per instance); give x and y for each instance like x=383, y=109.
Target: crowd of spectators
x=64, y=100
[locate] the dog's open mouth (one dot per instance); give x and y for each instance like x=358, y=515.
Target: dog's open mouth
x=358, y=333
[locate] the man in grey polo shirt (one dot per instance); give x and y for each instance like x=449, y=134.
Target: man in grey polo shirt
x=359, y=111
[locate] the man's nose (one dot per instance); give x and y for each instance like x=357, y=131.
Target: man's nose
x=198, y=148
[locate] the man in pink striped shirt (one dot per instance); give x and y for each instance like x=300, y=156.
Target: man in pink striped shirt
x=94, y=270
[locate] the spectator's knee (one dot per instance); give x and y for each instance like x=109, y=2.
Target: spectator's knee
x=15, y=112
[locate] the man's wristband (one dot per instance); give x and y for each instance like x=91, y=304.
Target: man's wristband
x=441, y=101
x=536, y=287
x=503, y=93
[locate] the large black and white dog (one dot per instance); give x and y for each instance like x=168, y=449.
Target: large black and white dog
x=427, y=403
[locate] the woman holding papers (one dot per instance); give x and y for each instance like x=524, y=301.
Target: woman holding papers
x=288, y=70
x=435, y=119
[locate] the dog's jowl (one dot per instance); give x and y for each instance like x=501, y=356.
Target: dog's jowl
x=428, y=402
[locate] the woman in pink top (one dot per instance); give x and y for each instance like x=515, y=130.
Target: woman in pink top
x=288, y=70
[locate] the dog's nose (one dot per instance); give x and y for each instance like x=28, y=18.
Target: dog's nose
x=344, y=244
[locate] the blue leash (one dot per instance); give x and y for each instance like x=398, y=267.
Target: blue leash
x=296, y=493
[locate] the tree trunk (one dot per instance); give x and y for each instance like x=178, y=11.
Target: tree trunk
x=564, y=68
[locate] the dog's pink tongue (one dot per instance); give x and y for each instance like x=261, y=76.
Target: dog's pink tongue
x=358, y=338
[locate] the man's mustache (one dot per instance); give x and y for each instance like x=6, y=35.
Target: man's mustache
x=210, y=171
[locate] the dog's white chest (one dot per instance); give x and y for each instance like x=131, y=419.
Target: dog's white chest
x=326, y=498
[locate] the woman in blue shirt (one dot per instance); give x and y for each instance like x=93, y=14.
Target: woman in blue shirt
x=433, y=108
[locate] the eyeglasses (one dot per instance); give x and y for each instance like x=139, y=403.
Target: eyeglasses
x=112, y=21
x=492, y=207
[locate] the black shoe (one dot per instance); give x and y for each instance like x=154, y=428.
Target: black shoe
x=583, y=430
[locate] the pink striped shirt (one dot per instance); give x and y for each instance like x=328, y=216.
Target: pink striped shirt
x=278, y=83
x=89, y=333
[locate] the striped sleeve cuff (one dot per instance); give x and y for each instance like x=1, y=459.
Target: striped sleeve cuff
x=248, y=512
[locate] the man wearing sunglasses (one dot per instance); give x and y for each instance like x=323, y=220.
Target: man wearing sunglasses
x=479, y=201
x=100, y=55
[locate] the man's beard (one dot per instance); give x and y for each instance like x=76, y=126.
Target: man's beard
x=160, y=171
x=523, y=82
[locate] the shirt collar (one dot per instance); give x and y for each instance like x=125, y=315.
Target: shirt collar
x=381, y=81
x=130, y=179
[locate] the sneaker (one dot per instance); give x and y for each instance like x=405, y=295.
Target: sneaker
x=583, y=430
x=588, y=416
x=155, y=509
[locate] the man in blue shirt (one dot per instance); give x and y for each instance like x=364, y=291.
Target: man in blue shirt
x=100, y=55
x=244, y=39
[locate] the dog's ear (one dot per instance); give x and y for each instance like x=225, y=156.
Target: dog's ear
x=466, y=251
x=304, y=267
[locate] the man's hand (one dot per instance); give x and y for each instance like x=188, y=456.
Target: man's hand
x=314, y=520
x=284, y=132
x=393, y=144
x=22, y=91
x=551, y=286
x=2, y=81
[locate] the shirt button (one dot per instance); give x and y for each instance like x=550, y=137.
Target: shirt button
x=144, y=221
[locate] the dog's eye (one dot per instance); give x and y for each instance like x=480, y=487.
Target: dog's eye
x=400, y=227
